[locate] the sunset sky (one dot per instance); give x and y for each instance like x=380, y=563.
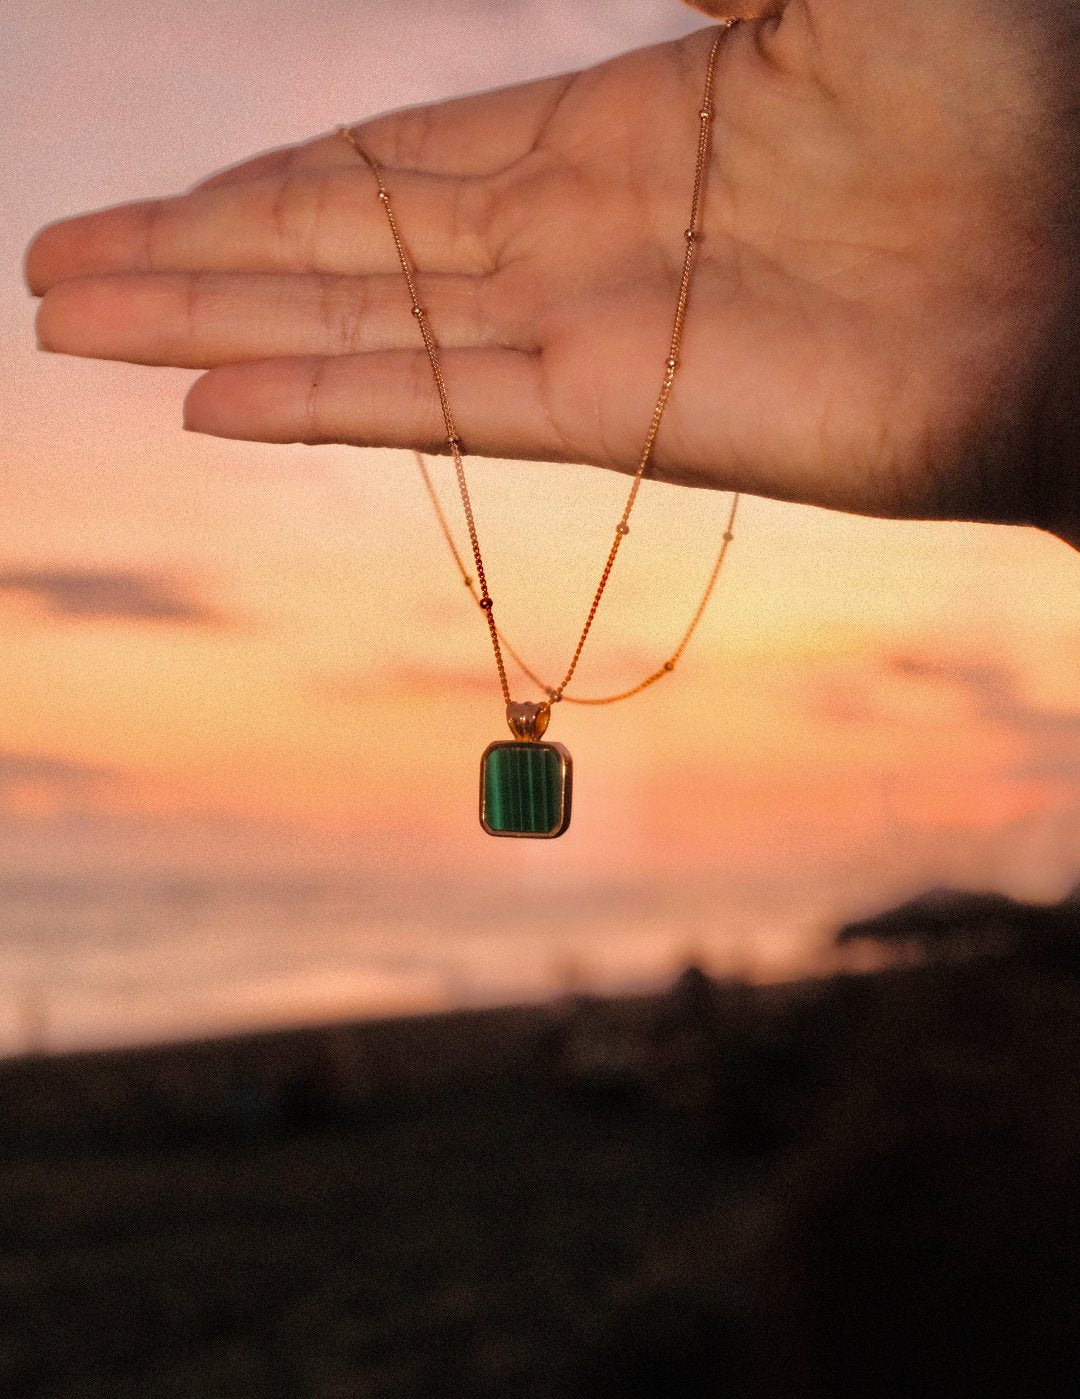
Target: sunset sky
x=226, y=660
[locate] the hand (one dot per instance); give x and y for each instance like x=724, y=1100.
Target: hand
x=882, y=314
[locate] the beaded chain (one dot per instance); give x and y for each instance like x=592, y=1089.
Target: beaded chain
x=478, y=586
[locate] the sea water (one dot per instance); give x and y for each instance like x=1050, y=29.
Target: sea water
x=93, y=962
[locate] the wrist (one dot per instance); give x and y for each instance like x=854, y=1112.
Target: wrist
x=1058, y=467
x=1069, y=532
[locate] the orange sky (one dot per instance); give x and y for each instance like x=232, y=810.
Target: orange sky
x=226, y=656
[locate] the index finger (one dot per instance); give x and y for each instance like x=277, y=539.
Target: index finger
x=482, y=134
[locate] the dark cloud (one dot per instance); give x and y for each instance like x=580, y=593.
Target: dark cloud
x=413, y=681
x=1052, y=735
x=65, y=777
x=91, y=594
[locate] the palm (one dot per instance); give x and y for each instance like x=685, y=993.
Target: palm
x=867, y=297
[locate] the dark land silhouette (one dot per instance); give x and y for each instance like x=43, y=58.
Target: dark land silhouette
x=866, y=1185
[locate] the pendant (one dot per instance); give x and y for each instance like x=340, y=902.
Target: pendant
x=525, y=785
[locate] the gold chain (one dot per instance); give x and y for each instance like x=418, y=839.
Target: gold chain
x=665, y=669
x=622, y=529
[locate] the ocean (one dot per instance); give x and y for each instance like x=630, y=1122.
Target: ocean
x=89, y=962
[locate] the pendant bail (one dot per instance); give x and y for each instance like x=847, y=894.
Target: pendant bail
x=528, y=721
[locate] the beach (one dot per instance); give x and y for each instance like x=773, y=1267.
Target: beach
x=550, y=1200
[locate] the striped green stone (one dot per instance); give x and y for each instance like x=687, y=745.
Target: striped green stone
x=525, y=789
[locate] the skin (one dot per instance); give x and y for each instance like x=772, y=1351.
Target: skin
x=886, y=292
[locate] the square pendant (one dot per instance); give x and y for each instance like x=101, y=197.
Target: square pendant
x=525, y=789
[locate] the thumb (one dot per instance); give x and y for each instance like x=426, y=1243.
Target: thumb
x=737, y=9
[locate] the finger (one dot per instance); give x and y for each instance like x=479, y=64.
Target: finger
x=481, y=134
x=195, y=320
x=383, y=400
x=310, y=221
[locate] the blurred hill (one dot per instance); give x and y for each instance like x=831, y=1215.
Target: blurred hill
x=960, y=922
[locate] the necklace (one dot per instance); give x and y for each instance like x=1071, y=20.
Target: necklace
x=526, y=783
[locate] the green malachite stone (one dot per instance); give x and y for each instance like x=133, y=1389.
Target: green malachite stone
x=525, y=789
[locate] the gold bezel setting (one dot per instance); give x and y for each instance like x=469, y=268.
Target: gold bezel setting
x=566, y=782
